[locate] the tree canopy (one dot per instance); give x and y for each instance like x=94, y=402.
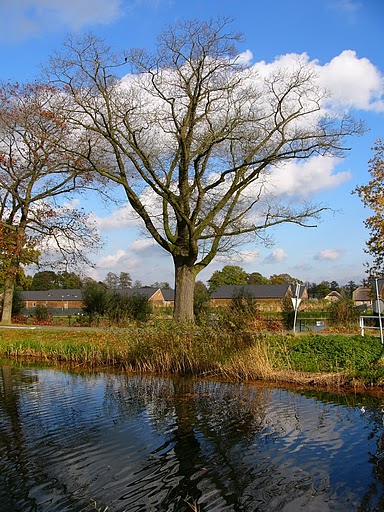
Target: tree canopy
x=230, y=274
x=191, y=136
x=37, y=170
x=372, y=196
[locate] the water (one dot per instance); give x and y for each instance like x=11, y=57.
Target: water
x=83, y=442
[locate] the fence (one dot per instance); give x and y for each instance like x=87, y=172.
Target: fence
x=370, y=322
x=54, y=311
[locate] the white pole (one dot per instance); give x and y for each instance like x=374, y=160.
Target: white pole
x=379, y=308
x=296, y=307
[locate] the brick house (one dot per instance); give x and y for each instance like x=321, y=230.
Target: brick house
x=70, y=302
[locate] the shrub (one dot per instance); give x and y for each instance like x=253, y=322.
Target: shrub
x=95, y=298
x=342, y=313
x=17, y=303
x=241, y=313
x=139, y=308
x=333, y=353
x=201, y=302
x=118, y=308
x=42, y=313
x=288, y=313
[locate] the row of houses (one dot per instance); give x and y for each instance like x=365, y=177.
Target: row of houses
x=67, y=302
x=71, y=301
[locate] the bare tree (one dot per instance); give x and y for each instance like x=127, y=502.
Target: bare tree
x=35, y=172
x=191, y=135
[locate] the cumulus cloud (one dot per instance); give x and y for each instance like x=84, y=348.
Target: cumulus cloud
x=276, y=256
x=239, y=257
x=306, y=177
x=27, y=18
x=142, y=258
x=244, y=58
x=113, y=260
x=352, y=82
x=121, y=218
x=329, y=254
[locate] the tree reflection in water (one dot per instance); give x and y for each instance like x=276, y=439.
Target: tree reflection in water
x=160, y=444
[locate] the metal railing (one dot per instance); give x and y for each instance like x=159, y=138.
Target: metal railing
x=370, y=322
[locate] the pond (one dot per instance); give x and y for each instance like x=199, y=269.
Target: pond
x=86, y=441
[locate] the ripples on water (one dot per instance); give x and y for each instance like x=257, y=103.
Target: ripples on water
x=72, y=442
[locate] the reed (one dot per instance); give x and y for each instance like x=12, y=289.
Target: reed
x=241, y=356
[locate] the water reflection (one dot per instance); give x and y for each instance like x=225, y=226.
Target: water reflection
x=68, y=441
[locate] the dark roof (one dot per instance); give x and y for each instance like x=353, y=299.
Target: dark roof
x=363, y=293
x=168, y=294
x=146, y=291
x=74, y=294
x=257, y=291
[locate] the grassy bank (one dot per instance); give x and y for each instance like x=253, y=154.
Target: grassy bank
x=313, y=359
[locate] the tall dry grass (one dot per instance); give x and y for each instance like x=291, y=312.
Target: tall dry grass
x=207, y=352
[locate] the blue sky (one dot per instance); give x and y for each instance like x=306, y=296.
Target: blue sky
x=343, y=38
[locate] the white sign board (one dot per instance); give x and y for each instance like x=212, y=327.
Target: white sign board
x=295, y=302
x=378, y=306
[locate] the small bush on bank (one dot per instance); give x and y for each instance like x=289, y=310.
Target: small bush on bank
x=343, y=313
x=17, y=303
x=240, y=314
x=288, y=313
x=139, y=308
x=42, y=313
x=333, y=353
x=201, y=303
x=117, y=309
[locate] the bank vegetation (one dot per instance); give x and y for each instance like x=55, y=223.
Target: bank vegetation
x=207, y=352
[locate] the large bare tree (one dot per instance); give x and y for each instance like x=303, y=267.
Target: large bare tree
x=191, y=135
x=37, y=170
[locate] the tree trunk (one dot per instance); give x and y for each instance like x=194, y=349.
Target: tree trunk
x=9, y=286
x=184, y=290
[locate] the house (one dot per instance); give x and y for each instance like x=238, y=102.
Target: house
x=363, y=295
x=333, y=296
x=267, y=296
x=59, y=302
x=70, y=302
x=157, y=296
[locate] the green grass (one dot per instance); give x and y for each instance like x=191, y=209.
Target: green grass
x=179, y=350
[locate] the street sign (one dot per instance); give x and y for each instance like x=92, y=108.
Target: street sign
x=380, y=284
x=378, y=306
x=295, y=302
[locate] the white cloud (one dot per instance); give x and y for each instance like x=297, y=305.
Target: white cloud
x=306, y=177
x=27, y=18
x=121, y=218
x=244, y=58
x=238, y=257
x=142, y=245
x=329, y=254
x=352, y=82
x=277, y=255
x=112, y=261
x=143, y=259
